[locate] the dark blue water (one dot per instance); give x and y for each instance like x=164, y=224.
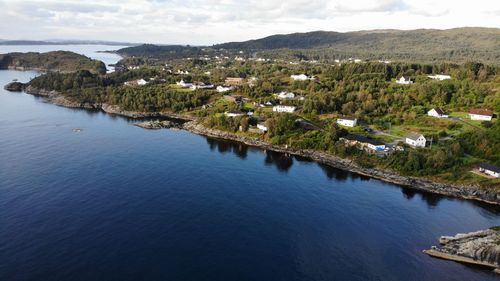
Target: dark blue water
x=116, y=202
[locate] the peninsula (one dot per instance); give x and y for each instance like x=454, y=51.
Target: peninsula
x=428, y=125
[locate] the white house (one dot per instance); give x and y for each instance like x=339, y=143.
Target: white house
x=489, y=169
x=300, y=77
x=416, y=140
x=184, y=84
x=262, y=127
x=347, y=121
x=440, y=77
x=222, y=89
x=286, y=95
x=284, y=108
x=480, y=114
x=437, y=112
x=235, y=113
x=196, y=86
x=139, y=82
x=404, y=80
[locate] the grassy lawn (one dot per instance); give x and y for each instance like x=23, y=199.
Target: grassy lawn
x=429, y=125
x=179, y=88
x=248, y=106
x=463, y=115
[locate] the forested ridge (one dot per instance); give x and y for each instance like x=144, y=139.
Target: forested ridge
x=423, y=45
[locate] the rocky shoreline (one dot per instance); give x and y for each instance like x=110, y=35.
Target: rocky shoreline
x=190, y=124
x=476, y=248
x=57, y=98
x=159, y=124
x=422, y=184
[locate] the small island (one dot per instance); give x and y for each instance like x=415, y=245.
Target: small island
x=57, y=61
x=477, y=248
x=15, y=86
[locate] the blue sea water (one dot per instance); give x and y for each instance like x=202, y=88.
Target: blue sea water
x=117, y=202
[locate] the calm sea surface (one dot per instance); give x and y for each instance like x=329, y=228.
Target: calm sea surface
x=116, y=202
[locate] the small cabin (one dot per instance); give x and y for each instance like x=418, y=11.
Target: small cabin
x=490, y=170
x=347, y=121
x=416, y=140
x=437, y=112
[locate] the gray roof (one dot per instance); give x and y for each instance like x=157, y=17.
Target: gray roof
x=490, y=167
x=439, y=110
x=413, y=136
x=362, y=139
x=347, y=118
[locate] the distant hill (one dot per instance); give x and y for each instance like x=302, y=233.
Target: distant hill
x=160, y=52
x=459, y=44
x=63, y=42
x=61, y=61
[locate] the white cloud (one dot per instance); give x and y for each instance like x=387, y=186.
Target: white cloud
x=213, y=21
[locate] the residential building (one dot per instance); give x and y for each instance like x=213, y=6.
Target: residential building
x=234, y=81
x=489, y=169
x=184, y=84
x=440, y=77
x=404, y=80
x=262, y=127
x=236, y=113
x=416, y=140
x=300, y=77
x=347, y=121
x=364, y=142
x=222, y=89
x=286, y=95
x=437, y=112
x=481, y=114
x=139, y=82
x=201, y=85
x=284, y=108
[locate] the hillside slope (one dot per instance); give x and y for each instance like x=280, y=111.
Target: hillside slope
x=459, y=44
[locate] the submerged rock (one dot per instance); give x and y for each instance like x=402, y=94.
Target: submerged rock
x=479, y=248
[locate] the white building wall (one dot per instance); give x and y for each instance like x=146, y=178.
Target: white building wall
x=479, y=117
x=347, y=122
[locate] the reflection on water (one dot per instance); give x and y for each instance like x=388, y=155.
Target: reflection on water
x=283, y=162
x=333, y=173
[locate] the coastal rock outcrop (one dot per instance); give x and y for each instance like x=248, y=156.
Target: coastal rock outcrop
x=158, y=124
x=15, y=87
x=479, y=248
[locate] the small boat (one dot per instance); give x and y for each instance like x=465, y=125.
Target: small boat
x=77, y=130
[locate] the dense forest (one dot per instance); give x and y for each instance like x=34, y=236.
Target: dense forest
x=62, y=61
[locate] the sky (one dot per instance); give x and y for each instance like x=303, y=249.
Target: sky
x=209, y=22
